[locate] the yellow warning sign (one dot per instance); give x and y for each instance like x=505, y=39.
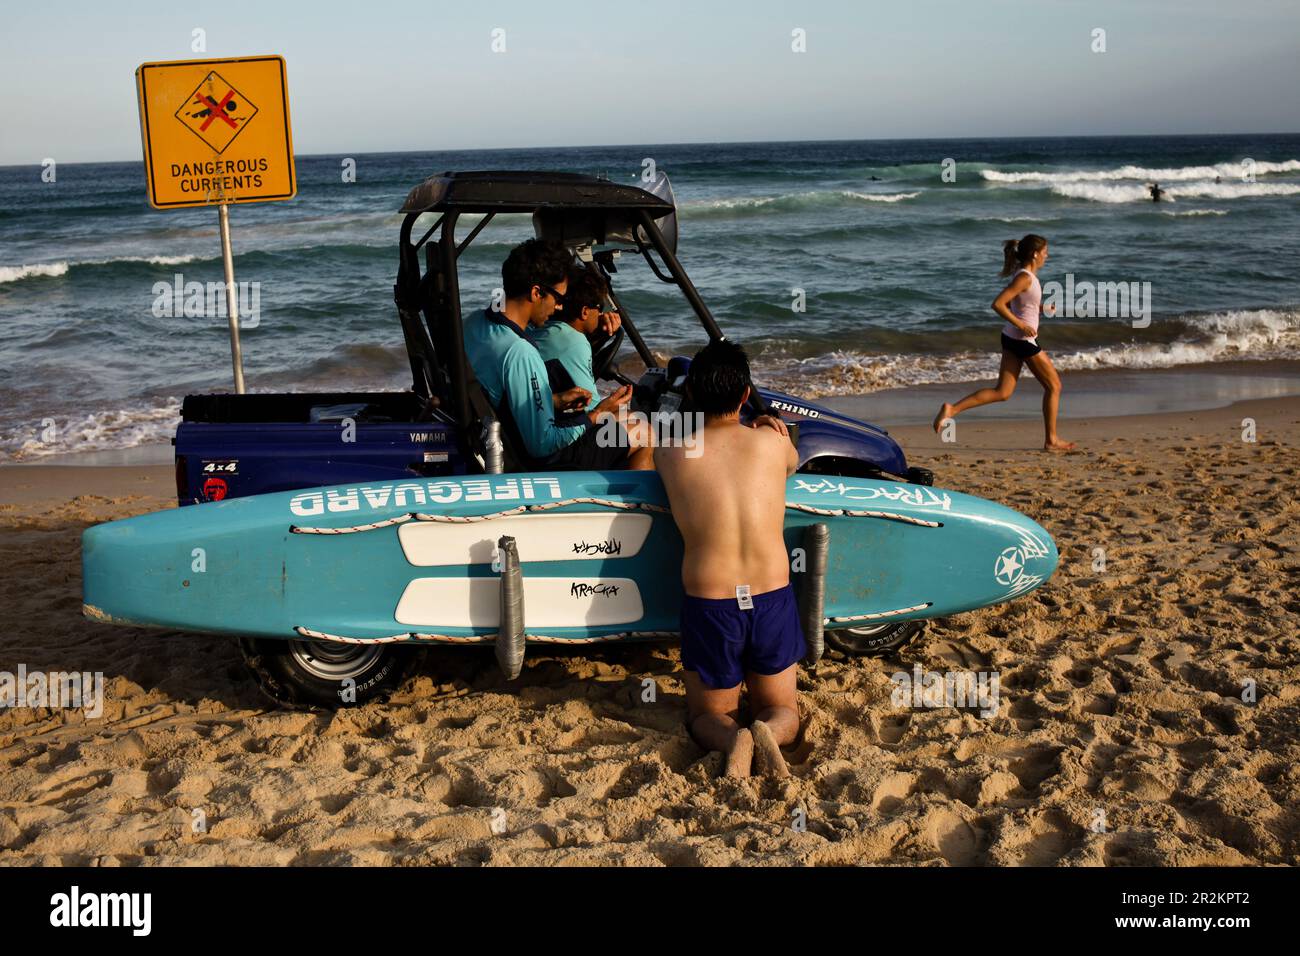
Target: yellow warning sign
x=216, y=131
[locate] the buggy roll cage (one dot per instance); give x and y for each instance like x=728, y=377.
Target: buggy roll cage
x=573, y=208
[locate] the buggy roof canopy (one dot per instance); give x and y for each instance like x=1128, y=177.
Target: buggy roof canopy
x=503, y=192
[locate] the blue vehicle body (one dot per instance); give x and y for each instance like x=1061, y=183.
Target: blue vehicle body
x=233, y=460
x=222, y=460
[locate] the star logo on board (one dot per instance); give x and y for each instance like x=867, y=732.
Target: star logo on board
x=1009, y=567
x=216, y=112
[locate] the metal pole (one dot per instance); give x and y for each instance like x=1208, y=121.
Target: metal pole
x=677, y=272
x=232, y=299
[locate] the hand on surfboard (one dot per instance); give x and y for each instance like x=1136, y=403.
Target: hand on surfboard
x=773, y=422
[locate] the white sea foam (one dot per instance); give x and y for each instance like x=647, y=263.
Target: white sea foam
x=744, y=202
x=879, y=197
x=847, y=372
x=54, y=269
x=1245, y=335
x=1226, y=171
x=1017, y=218
x=811, y=197
x=1098, y=192
x=158, y=260
x=15, y=273
x=148, y=424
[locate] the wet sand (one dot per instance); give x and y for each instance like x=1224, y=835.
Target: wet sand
x=1094, y=394
x=1121, y=736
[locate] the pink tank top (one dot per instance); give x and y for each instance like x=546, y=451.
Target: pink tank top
x=1026, y=308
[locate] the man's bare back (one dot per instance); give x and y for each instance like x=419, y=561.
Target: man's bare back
x=729, y=504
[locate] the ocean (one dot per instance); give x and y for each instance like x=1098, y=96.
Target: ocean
x=895, y=261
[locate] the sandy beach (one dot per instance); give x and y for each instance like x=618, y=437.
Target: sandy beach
x=1121, y=738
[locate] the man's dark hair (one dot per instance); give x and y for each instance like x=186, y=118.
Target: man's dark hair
x=534, y=262
x=586, y=288
x=718, y=377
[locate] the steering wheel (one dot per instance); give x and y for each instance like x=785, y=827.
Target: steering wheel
x=603, y=349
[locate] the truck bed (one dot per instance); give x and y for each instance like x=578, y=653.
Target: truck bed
x=230, y=446
x=298, y=407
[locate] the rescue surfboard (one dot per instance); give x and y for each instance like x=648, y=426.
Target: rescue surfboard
x=598, y=552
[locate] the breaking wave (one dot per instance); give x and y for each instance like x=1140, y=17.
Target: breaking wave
x=1225, y=171
x=1233, y=336
x=787, y=202
x=42, y=270
x=55, y=269
x=1097, y=192
x=146, y=424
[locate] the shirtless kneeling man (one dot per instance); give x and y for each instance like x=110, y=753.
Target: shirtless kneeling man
x=740, y=622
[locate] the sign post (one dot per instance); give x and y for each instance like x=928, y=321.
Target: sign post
x=232, y=299
x=217, y=132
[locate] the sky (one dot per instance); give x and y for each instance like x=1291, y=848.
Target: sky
x=379, y=75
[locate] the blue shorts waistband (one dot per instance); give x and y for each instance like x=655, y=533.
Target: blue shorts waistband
x=767, y=597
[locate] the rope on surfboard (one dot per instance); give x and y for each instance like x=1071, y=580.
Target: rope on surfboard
x=544, y=639
x=416, y=637
x=850, y=513
x=624, y=505
x=546, y=506
x=467, y=519
x=373, y=526
x=877, y=614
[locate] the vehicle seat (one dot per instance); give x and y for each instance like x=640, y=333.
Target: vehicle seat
x=516, y=458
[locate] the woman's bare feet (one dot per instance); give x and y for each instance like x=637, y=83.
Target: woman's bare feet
x=1058, y=445
x=945, y=412
x=770, y=759
x=738, y=761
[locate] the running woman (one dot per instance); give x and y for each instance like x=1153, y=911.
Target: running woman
x=1020, y=304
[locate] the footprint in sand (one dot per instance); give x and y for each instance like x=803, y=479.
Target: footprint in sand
x=960, y=654
x=955, y=839
x=62, y=790
x=893, y=728
x=1051, y=836
x=1080, y=675
x=892, y=791
x=1037, y=765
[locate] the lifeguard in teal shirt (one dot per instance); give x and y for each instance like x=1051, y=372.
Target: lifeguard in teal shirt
x=515, y=379
x=563, y=339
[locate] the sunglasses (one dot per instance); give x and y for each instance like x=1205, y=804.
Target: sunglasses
x=557, y=296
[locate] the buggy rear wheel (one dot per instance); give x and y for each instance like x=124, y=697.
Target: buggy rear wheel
x=873, y=640
x=304, y=673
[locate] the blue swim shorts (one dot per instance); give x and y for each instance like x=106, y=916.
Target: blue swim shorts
x=722, y=643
